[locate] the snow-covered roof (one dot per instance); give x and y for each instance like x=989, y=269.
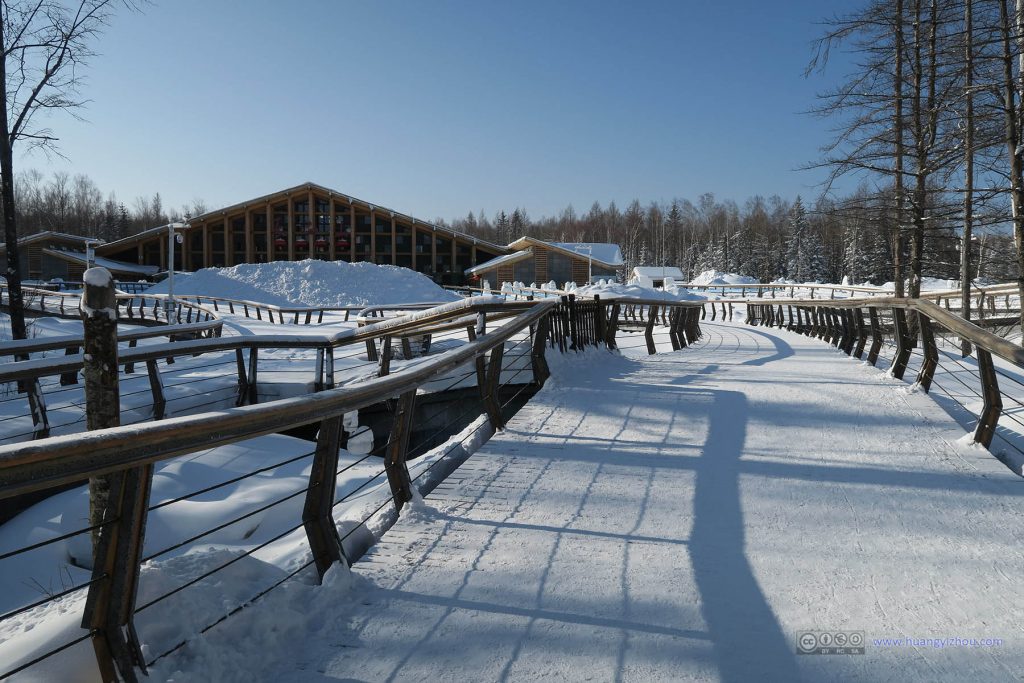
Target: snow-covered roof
x=116, y=245
x=500, y=260
x=607, y=255
x=52, y=235
x=658, y=272
x=601, y=251
x=108, y=263
x=335, y=193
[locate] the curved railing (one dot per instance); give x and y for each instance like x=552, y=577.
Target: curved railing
x=909, y=329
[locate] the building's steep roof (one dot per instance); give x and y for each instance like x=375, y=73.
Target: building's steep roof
x=577, y=249
x=51, y=235
x=601, y=251
x=110, y=264
x=335, y=193
x=504, y=260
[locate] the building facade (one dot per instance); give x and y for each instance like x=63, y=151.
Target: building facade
x=535, y=261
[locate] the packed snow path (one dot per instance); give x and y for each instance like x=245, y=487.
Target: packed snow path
x=684, y=517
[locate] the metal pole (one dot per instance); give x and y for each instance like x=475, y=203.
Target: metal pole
x=170, y=271
x=172, y=238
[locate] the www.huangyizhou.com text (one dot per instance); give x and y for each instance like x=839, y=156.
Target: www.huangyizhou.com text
x=937, y=643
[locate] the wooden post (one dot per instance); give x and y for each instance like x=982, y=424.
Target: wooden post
x=490, y=390
x=876, y=336
x=901, y=336
x=398, y=446
x=672, y=325
x=117, y=502
x=541, y=372
x=384, y=364
x=652, y=316
x=986, y=428
x=694, y=329
x=599, y=324
x=253, y=376
x=612, y=326
x=931, y=353
x=317, y=513
x=156, y=388
x=37, y=406
x=862, y=332
x=574, y=328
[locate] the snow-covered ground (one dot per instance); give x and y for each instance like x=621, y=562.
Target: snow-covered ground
x=679, y=517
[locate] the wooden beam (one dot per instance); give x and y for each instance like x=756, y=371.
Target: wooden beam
x=394, y=242
x=352, y=233
x=310, y=215
x=433, y=250
x=271, y=249
x=250, y=238
x=332, y=232
x=206, y=245
x=229, y=242
x=373, y=236
x=291, y=229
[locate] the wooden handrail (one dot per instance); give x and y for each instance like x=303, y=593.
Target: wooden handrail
x=38, y=345
x=46, y=463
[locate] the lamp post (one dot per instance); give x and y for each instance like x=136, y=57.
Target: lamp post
x=590, y=262
x=90, y=252
x=173, y=237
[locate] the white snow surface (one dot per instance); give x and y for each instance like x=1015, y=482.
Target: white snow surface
x=311, y=283
x=717, y=277
x=615, y=290
x=97, y=276
x=930, y=284
x=600, y=251
x=676, y=517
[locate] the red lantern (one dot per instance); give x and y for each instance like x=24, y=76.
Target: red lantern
x=342, y=243
x=280, y=243
x=301, y=242
x=321, y=243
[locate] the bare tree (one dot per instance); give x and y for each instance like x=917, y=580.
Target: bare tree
x=45, y=44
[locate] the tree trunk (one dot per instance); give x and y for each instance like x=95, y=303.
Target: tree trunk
x=16, y=300
x=965, y=242
x=897, y=242
x=1012, y=136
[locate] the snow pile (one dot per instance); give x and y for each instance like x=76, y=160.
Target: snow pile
x=717, y=277
x=311, y=283
x=930, y=284
x=615, y=290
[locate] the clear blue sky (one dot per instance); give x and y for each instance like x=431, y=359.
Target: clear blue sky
x=438, y=108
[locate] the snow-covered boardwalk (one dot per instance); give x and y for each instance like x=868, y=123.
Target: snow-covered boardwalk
x=684, y=517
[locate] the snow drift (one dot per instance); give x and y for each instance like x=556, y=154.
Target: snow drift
x=311, y=283
x=717, y=277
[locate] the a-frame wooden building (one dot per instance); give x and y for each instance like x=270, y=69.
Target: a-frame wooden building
x=310, y=221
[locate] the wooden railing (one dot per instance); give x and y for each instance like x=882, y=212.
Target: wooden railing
x=124, y=456
x=138, y=309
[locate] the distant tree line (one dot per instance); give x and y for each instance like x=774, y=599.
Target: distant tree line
x=75, y=205
x=767, y=239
